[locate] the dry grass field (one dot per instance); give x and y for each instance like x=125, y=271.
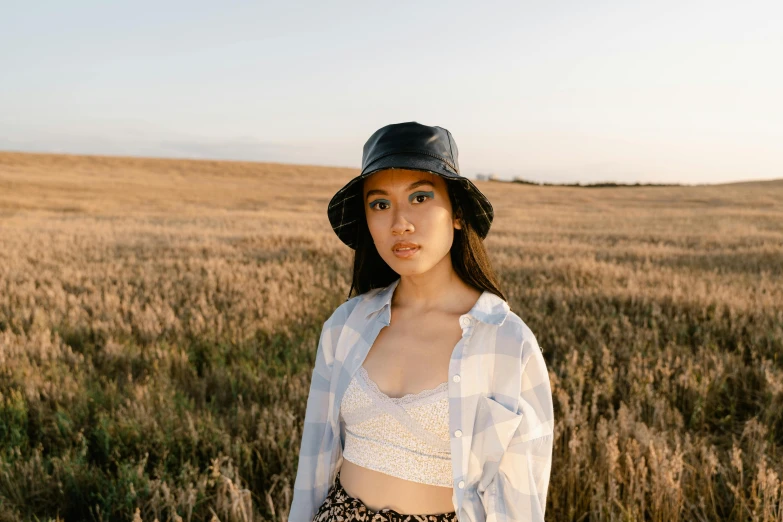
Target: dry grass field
x=159, y=321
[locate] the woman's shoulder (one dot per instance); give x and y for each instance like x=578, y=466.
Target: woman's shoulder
x=344, y=311
x=341, y=314
x=350, y=311
x=515, y=332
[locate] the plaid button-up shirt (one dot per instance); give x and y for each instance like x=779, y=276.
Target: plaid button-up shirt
x=501, y=417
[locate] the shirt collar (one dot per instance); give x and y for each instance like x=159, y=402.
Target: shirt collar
x=489, y=308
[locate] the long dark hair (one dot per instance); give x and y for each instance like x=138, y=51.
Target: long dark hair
x=468, y=255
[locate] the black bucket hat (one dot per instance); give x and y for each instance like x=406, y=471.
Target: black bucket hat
x=412, y=146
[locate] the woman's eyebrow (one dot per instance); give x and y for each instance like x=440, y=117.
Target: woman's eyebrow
x=410, y=187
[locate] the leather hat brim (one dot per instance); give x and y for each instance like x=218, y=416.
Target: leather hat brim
x=346, y=208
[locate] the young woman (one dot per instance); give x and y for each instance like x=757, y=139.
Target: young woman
x=430, y=399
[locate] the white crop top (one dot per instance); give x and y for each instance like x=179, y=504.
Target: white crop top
x=406, y=437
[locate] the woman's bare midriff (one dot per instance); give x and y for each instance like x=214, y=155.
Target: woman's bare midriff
x=378, y=491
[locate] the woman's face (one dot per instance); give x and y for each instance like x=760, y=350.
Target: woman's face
x=410, y=206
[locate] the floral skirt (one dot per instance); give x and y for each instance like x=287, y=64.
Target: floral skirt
x=340, y=506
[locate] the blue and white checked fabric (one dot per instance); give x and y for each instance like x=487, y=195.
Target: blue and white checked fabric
x=501, y=415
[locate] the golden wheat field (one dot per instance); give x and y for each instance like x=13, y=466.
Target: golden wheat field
x=159, y=321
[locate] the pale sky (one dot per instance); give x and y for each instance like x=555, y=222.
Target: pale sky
x=664, y=91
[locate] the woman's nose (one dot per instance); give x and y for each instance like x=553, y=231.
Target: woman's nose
x=400, y=222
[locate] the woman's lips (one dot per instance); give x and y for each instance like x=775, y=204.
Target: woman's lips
x=406, y=253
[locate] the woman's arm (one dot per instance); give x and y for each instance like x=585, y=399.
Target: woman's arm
x=311, y=484
x=518, y=490
x=313, y=475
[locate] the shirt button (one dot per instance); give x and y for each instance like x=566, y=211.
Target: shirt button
x=455, y=378
x=464, y=321
x=458, y=433
x=461, y=484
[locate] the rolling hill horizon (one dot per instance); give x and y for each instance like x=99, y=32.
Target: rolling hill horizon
x=777, y=182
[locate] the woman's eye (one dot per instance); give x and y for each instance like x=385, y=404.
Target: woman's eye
x=376, y=205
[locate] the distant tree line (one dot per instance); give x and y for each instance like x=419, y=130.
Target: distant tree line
x=595, y=185
x=494, y=177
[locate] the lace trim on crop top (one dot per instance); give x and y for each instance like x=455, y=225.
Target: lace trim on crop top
x=406, y=437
